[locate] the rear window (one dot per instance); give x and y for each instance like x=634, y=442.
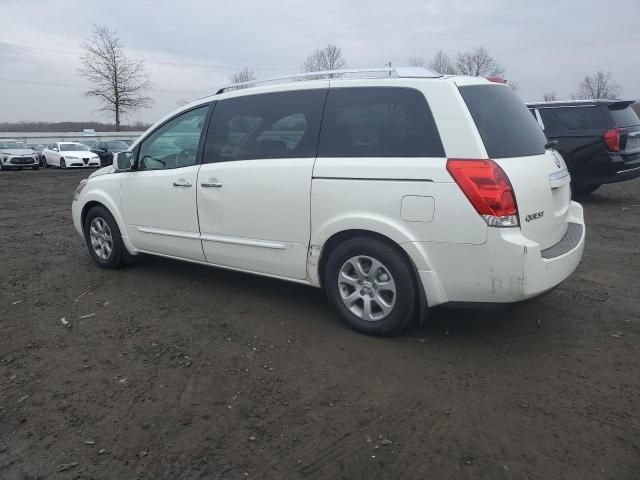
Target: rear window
x=624, y=117
x=378, y=122
x=506, y=126
x=581, y=118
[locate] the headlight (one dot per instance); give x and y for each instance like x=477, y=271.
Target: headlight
x=79, y=189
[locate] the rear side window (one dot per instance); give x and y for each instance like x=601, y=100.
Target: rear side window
x=269, y=125
x=581, y=118
x=506, y=126
x=378, y=122
x=624, y=117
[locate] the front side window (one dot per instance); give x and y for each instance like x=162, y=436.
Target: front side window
x=378, y=122
x=269, y=125
x=174, y=144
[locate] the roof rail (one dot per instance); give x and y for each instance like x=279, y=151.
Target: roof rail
x=399, y=72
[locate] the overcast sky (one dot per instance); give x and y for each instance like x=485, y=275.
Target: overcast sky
x=546, y=45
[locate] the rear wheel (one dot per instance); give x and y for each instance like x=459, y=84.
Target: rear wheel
x=371, y=286
x=63, y=164
x=103, y=238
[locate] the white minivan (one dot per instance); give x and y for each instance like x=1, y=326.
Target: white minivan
x=394, y=193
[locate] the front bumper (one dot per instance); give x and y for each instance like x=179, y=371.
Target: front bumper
x=19, y=161
x=507, y=268
x=83, y=163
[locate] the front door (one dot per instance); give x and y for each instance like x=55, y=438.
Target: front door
x=158, y=199
x=254, y=186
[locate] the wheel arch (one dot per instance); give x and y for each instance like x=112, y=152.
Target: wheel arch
x=339, y=237
x=97, y=199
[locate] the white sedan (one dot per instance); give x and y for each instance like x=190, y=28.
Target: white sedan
x=69, y=155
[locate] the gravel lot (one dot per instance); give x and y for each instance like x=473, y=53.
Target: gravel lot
x=168, y=370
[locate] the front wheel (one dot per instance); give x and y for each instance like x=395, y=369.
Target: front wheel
x=63, y=164
x=35, y=167
x=103, y=238
x=371, y=285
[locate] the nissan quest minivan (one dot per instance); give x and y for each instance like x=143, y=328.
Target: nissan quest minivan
x=394, y=190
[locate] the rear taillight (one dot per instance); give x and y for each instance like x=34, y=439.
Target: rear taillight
x=612, y=139
x=488, y=189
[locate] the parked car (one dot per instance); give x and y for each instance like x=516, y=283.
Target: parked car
x=599, y=139
x=37, y=147
x=14, y=154
x=105, y=150
x=69, y=155
x=394, y=194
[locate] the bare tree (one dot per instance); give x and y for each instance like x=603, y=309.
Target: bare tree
x=327, y=58
x=478, y=63
x=244, y=75
x=550, y=97
x=441, y=63
x=599, y=85
x=119, y=82
x=417, y=62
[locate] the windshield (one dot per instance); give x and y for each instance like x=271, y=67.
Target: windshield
x=73, y=147
x=11, y=144
x=117, y=145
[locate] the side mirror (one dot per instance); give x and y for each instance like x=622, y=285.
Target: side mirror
x=123, y=160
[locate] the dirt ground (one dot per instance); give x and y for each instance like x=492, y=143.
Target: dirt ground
x=168, y=370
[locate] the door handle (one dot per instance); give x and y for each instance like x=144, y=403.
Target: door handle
x=181, y=183
x=211, y=185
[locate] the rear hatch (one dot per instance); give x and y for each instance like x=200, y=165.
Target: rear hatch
x=513, y=139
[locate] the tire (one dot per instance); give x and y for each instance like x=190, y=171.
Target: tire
x=63, y=164
x=3, y=168
x=114, y=256
x=36, y=167
x=349, y=290
x=584, y=189
x=44, y=162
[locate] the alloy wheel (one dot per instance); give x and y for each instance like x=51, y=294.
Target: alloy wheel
x=101, y=238
x=367, y=288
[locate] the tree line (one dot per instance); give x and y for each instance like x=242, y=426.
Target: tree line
x=120, y=83
x=69, y=127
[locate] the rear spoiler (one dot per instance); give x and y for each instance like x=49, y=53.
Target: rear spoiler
x=620, y=104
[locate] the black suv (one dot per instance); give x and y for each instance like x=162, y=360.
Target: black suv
x=599, y=139
x=105, y=150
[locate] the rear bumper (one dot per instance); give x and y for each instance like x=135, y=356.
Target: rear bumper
x=507, y=268
x=623, y=170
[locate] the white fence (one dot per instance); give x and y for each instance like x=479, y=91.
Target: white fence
x=51, y=137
